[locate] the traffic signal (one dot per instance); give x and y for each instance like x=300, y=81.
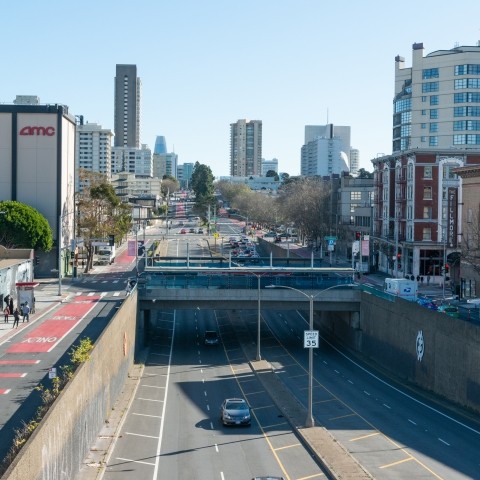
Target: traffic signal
x=447, y=270
x=37, y=260
x=111, y=240
x=358, y=235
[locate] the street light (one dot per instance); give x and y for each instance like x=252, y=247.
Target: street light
x=310, y=421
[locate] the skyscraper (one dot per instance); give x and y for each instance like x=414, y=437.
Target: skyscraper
x=436, y=100
x=246, y=148
x=160, y=145
x=326, y=150
x=127, y=107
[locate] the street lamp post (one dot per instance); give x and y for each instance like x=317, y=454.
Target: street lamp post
x=310, y=421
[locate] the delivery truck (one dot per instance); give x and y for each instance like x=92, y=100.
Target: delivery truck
x=104, y=255
x=401, y=287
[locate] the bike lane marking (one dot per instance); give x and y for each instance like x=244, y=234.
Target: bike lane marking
x=48, y=335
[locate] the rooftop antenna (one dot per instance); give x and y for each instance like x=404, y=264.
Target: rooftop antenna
x=327, y=116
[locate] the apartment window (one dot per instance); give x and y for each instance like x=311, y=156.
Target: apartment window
x=433, y=142
x=355, y=196
x=424, y=112
x=468, y=69
x=424, y=125
x=427, y=193
x=466, y=83
x=434, y=127
x=423, y=139
x=427, y=212
x=427, y=234
x=429, y=73
x=429, y=87
x=427, y=172
x=424, y=98
x=434, y=100
x=433, y=113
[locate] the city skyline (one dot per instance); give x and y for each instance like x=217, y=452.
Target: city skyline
x=286, y=64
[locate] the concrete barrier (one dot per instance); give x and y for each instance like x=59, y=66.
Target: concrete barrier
x=60, y=443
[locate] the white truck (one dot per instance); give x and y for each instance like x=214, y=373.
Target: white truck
x=104, y=255
x=401, y=287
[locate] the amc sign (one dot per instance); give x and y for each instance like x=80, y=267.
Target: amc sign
x=38, y=131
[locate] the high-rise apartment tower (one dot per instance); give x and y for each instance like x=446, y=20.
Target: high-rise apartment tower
x=127, y=107
x=246, y=148
x=436, y=100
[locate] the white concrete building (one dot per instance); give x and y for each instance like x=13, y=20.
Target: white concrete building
x=269, y=165
x=436, y=103
x=93, y=151
x=132, y=160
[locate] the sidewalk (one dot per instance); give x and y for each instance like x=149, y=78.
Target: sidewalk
x=46, y=299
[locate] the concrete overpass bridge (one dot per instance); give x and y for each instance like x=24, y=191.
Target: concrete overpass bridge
x=236, y=287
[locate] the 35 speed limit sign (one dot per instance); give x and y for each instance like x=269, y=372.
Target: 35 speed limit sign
x=310, y=339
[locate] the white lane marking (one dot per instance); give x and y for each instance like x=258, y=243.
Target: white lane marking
x=349, y=381
x=159, y=444
x=443, y=441
x=134, y=461
x=387, y=406
x=211, y=425
x=145, y=415
x=411, y=421
x=221, y=476
x=216, y=448
x=151, y=386
x=205, y=393
x=366, y=393
x=336, y=371
x=444, y=415
x=139, y=435
x=208, y=407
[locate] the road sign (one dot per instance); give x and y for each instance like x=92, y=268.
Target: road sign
x=52, y=373
x=330, y=238
x=310, y=339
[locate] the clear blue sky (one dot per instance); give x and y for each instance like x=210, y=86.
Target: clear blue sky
x=206, y=64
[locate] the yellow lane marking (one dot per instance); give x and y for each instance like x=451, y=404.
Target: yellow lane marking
x=288, y=446
x=265, y=406
x=265, y=427
x=397, y=463
x=316, y=475
x=343, y=416
x=364, y=436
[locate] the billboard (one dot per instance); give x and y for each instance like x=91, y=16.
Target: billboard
x=452, y=217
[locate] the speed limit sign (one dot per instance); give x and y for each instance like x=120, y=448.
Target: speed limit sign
x=310, y=339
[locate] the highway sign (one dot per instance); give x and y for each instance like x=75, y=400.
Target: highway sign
x=310, y=339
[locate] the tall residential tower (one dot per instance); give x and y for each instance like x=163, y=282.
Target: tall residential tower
x=246, y=148
x=436, y=103
x=127, y=107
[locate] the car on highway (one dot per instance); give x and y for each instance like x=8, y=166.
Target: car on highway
x=268, y=477
x=211, y=337
x=183, y=230
x=449, y=310
x=235, y=411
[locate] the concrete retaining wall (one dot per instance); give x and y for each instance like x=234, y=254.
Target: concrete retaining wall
x=386, y=333
x=59, y=445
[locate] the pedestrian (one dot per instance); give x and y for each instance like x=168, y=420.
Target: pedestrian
x=6, y=312
x=10, y=306
x=428, y=279
x=26, y=312
x=16, y=318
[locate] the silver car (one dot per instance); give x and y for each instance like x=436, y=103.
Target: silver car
x=235, y=411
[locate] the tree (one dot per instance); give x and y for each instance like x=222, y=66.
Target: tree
x=100, y=213
x=273, y=173
x=362, y=173
x=22, y=226
x=169, y=185
x=202, y=185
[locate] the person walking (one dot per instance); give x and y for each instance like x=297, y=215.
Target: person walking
x=10, y=306
x=26, y=312
x=16, y=318
x=6, y=312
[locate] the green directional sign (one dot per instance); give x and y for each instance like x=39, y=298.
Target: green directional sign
x=330, y=239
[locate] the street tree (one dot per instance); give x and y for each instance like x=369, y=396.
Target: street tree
x=202, y=185
x=100, y=213
x=22, y=226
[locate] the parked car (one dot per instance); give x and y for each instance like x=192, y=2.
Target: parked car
x=211, y=337
x=200, y=231
x=183, y=230
x=270, y=235
x=449, y=310
x=235, y=411
x=192, y=230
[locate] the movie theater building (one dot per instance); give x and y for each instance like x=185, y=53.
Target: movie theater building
x=37, y=161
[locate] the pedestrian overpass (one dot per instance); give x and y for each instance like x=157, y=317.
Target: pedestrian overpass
x=187, y=286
